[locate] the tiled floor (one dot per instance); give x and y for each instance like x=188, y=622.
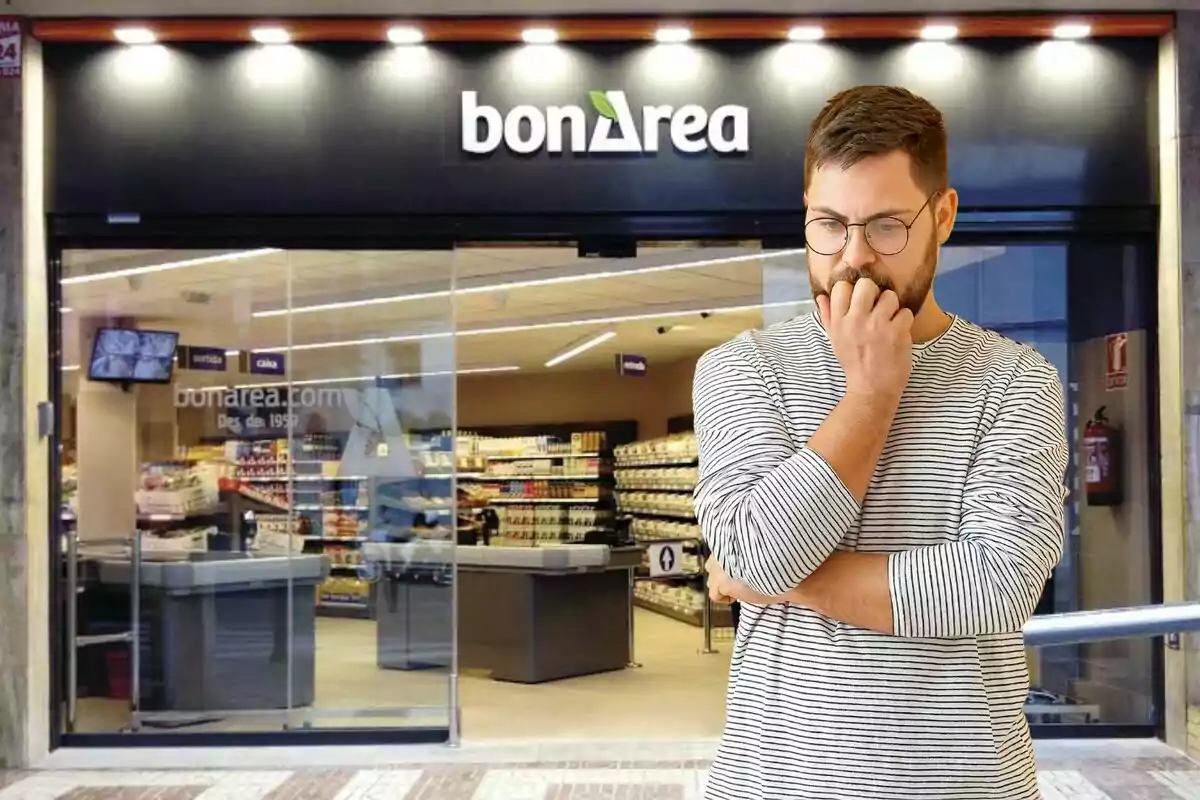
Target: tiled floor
x=1080, y=771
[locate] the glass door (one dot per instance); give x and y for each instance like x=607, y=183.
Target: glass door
x=258, y=491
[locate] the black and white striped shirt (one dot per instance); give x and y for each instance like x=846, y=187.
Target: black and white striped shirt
x=967, y=497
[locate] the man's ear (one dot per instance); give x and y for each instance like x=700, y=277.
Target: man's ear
x=945, y=213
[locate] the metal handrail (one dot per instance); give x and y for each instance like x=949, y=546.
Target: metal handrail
x=1138, y=622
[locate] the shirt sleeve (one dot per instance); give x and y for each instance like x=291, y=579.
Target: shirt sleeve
x=770, y=511
x=1011, y=531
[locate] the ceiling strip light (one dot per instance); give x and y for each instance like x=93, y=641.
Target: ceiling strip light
x=672, y=34
x=539, y=36
x=135, y=35
x=405, y=34
x=356, y=379
x=537, y=326
x=527, y=284
x=168, y=266
x=271, y=35
x=582, y=347
x=1072, y=30
x=939, y=33
x=806, y=33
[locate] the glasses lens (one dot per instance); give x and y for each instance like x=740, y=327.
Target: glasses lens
x=887, y=236
x=825, y=236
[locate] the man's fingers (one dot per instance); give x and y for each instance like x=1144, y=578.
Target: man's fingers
x=864, y=296
x=839, y=299
x=888, y=304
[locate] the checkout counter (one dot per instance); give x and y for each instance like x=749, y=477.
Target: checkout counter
x=213, y=628
x=526, y=615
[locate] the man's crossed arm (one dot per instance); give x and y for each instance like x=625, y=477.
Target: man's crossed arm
x=774, y=517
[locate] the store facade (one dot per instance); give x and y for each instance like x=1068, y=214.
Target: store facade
x=333, y=215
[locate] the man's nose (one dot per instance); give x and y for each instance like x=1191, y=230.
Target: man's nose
x=857, y=252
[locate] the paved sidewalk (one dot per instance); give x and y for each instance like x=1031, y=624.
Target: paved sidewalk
x=1080, y=771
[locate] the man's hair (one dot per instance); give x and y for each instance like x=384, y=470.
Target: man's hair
x=867, y=121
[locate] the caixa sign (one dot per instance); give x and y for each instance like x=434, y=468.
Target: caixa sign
x=612, y=127
x=263, y=363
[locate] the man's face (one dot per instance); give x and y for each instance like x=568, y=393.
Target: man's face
x=877, y=187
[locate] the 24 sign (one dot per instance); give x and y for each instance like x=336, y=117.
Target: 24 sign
x=10, y=47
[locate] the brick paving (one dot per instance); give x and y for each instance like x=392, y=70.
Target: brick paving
x=1169, y=778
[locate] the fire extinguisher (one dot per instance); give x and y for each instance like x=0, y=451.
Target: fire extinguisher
x=1102, y=461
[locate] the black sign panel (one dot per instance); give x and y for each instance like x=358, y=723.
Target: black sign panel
x=362, y=129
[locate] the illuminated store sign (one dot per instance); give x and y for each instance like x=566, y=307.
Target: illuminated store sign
x=526, y=129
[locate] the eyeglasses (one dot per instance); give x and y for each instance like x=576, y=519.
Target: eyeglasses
x=887, y=236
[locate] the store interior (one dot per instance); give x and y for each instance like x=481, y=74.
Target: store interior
x=365, y=482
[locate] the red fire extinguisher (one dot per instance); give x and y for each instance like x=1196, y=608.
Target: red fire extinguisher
x=1102, y=461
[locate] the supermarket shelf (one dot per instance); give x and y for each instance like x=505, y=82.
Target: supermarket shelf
x=506, y=478
x=645, y=512
x=539, y=500
x=212, y=511
x=331, y=508
x=674, y=490
x=333, y=608
x=668, y=539
x=721, y=616
x=314, y=478
x=684, y=462
x=342, y=539
x=536, y=456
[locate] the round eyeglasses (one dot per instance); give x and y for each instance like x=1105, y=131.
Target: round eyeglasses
x=887, y=236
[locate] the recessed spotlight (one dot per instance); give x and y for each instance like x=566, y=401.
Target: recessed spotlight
x=405, y=34
x=673, y=34
x=135, y=35
x=806, y=33
x=539, y=35
x=271, y=35
x=939, y=33
x=1072, y=30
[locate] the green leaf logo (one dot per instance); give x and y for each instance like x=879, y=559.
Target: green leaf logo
x=600, y=103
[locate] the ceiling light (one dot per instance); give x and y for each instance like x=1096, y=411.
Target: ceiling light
x=356, y=379
x=65, y=310
x=539, y=35
x=70, y=367
x=536, y=282
x=939, y=32
x=170, y=265
x=535, y=326
x=581, y=347
x=272, y=35
x=1072, y=30
x=405, y=34
x=806, y=33
x=674, y=34
x=135, y=35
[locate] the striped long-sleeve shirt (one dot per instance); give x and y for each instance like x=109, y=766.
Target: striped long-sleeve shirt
x=967, y=498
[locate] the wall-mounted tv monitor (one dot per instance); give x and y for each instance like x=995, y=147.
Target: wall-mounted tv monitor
x=126, y=355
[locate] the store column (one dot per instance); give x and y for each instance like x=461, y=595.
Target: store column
x=24, y=454
x=1180, y=249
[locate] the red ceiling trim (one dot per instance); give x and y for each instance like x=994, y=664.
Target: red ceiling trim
x=604, y=28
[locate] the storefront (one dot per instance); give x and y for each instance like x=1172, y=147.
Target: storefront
x=359, y=335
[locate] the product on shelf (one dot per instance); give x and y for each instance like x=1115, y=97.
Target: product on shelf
x=470, y=446
x=675, y=504
x=681, y=479
x=175, y=489
x=680, y=448
x=533, y=524
x=660, y=529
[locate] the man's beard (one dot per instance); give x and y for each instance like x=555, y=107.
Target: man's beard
x=912, y=297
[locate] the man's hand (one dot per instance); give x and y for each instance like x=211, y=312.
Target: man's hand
x=723, y=589
x=871, y=337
